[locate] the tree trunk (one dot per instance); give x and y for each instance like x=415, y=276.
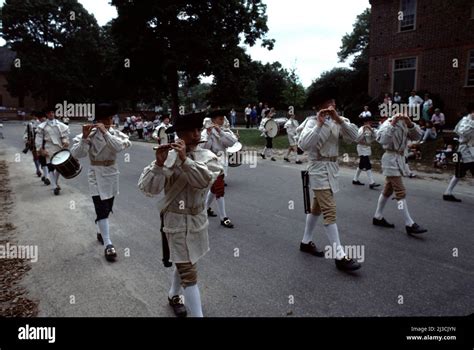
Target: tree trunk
x=173, y=85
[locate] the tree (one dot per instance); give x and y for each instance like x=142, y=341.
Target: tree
x=57, y=44
x=188, y=38
x=294, y=94
x=357, y=42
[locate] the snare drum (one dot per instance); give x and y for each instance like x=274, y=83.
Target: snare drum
x=66, y=164
x=234, y=155
x=271, y=127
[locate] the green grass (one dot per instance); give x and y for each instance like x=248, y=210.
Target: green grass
x=252, y=138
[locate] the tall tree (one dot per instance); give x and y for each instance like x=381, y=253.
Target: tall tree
x=188, y=37
x=57, y=44
x=295, y=94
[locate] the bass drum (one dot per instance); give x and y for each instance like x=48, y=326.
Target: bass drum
x=234, y=156
x=66, y=164
x=271, y=127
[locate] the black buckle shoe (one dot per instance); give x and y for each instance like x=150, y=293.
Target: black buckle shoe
x=450, y=198
x=286, y=159
x=382, y=223
x=346, y=264
x=358, y=183
x=99, y=238
x=110, y=253
x=415, y=229
x=211, y=213
x=177, y=304
x=56, y=191
x=227, y=223
x=299, y=162
x=38, y=173
x=262, y=155
x=310, y=248
x=47, y=182
x=372, y=186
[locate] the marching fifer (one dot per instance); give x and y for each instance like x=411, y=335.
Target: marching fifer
x=465, y=161
x=101, y=143
x=51, y=137
x=320, y=138
x=291, y=127
x=364, y=139
x=268, y=150
x=394, y=135
x=217, y=138
x=184, y=171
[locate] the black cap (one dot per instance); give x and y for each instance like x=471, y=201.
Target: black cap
x=105, y=110
x=49, y=108
x=188, y=121
x=329, y=93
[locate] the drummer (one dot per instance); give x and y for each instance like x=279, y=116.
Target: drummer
x=165, y=123
x=217, y=137
x=269, y=114
x=101, y=143
x=51, y=137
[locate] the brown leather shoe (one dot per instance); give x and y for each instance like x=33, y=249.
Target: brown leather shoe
x=311, y=249
x=177, y=304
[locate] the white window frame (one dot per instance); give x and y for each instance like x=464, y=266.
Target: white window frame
x=397, y=70
x=414, y=22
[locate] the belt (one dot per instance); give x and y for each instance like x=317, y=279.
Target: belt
x=186, y=211
x=327, y=159
x=103, y=162
x=402, y=153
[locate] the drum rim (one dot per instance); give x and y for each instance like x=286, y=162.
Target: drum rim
x=237, y=143
x=55, y=154
x=274, y=122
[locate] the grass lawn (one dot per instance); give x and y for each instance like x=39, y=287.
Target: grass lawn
x=252, y=138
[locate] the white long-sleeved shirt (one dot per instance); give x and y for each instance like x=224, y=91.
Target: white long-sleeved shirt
x=103, y=180
x=54, y=135
x=185, y=220
x=364, y=139
x=322, y=143
x=394, y=140
x=218, y=142
x=465, y=130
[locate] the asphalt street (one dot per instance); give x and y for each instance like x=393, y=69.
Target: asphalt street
x=255, y=269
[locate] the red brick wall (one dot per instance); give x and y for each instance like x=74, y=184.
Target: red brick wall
x=444, y=31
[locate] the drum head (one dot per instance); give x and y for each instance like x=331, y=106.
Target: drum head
x=271, y=127
x=60, y=157
x=235, y=148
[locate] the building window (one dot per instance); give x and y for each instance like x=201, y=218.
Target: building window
x=470, y=69
x=408, y=15
x=404, y=75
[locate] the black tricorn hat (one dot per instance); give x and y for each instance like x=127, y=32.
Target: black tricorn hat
x=218, y=113
x=49, y=108
x=105, y=110
x=329, y=93
x=188, y=121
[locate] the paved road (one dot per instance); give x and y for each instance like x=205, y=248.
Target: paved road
x=269, y=277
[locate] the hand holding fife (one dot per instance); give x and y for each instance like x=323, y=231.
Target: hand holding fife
x=162, y=154
x=86, y=130
x=101, y=127
x=180, y=148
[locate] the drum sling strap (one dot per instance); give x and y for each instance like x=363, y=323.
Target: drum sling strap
x=176, y=188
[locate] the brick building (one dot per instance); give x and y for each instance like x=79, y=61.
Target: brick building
x=424, y=45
